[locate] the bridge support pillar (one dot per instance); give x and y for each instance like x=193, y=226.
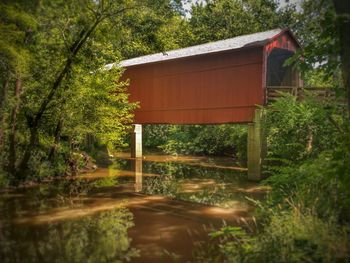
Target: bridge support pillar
x=256, y=146
x=136, y=141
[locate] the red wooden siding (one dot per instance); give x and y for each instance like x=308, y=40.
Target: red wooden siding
x=284, y=41
x=216, y=88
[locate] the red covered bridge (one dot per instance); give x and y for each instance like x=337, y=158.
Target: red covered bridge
x=213, y=83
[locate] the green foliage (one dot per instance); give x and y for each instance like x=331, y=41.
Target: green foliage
x=198, y=139
x=98, y=105
x=316, y=27
x=155, y=135
x=156, y=26
x=4, y=181
x=315, y=174
x=317, y=77
x=320, y=185
x=54, y=56
x=228, y=244
x=220, y=19
x=294, y=130
x=306, y=217
x=288, y=235
x=14, y=26
x=300, y=237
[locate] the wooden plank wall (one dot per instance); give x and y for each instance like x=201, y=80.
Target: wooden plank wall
x=209, y=89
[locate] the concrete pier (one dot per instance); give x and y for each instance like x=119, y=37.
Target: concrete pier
x=136, y=141
x=256, y=146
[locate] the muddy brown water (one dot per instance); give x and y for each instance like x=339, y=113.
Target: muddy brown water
x=154, y=209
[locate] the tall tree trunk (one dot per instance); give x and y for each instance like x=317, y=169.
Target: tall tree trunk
x=12, y=136
x=57, y=136
x=342, y=8
x=3, y=99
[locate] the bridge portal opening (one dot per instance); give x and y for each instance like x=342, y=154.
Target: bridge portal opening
x=279, y=74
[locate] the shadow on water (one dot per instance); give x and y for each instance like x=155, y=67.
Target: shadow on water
x=145, y=210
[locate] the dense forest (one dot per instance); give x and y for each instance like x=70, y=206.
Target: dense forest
x=59, y=105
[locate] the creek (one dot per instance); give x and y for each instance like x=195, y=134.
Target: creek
x=155, y=209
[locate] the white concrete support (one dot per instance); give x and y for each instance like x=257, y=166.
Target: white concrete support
x=256, y=146
x=136, y=141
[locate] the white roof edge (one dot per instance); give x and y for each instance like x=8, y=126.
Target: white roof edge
x=212, y=47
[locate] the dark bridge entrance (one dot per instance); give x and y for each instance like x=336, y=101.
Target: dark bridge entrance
x=214, y=83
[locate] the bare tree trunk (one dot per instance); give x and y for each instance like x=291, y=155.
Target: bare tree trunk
x=12, y=136
x=3, y=98
x=342, y=8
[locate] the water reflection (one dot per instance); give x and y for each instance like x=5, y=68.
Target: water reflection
x=137, y=167
x=221, y=185
x=100, y=238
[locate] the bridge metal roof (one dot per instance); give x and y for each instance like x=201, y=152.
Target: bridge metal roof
x=256, y=39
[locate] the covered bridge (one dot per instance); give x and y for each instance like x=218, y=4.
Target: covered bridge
x=213, y=83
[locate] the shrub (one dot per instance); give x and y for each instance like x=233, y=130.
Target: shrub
x=290, y=235
x=294, y=235
x=198, y=139
x=297, y=130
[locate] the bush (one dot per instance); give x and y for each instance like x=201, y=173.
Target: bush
x=198, y=139
x=320, y=185
x=290, y=235
x=294, y=235
x=298, y=130
x=308, y=156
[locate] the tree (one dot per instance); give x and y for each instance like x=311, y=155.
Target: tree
x=16, y=26
x=67, y=44
x=221, y=19
x=342, y=9
x=323, y=30
x=157, y=27
x=68, y=52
